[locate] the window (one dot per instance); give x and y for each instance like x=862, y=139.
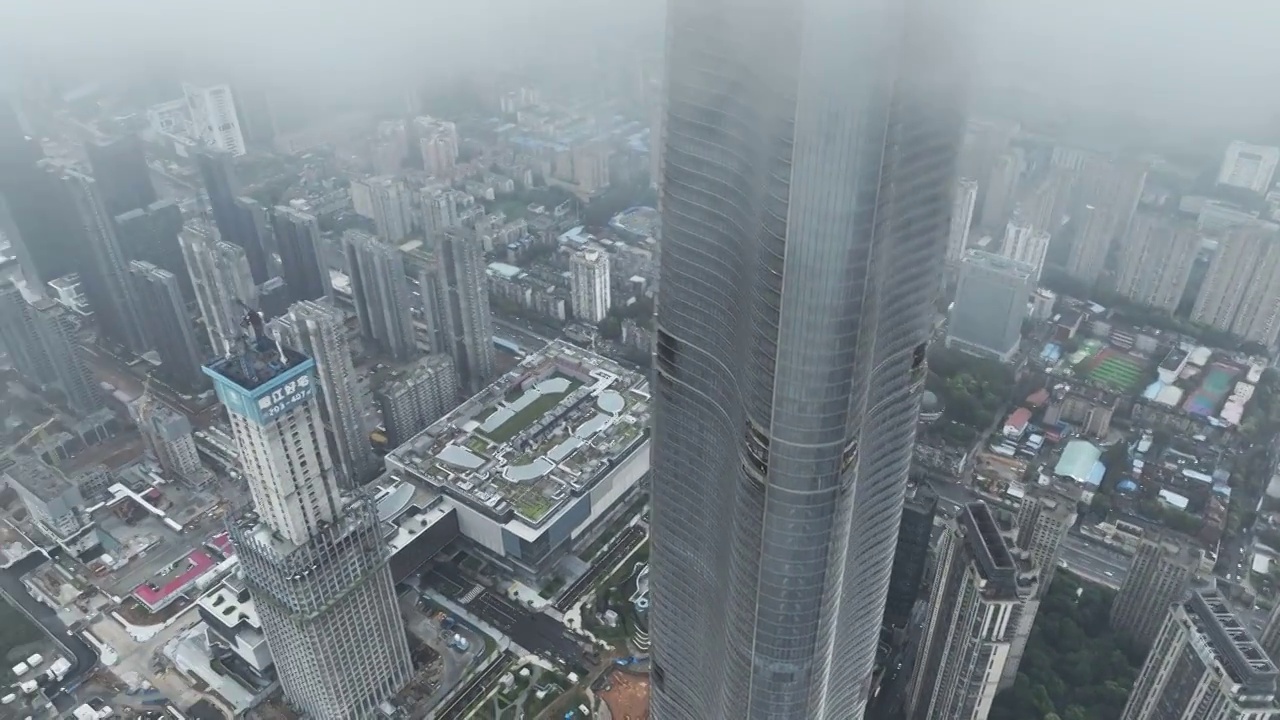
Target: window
x=668, y=350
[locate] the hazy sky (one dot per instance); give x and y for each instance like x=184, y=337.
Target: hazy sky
x=1194, y=60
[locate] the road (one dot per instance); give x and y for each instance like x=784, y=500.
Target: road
x=618, y=548
x=1094, y=561
x=537, y=632
x=84, y=657
x=479, y=686
x=521, y=333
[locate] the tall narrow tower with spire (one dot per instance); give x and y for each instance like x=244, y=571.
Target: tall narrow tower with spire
x=312, y=557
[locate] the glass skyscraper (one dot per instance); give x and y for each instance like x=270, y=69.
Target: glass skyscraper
x=808, y=164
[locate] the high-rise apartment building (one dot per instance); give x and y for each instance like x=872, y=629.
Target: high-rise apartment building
x=979, y=595
x=314, y=559
x=151, y=234
x=984, y=140
x=1159, y=576
x=1024, y=243
x=1045, y=516
x=911, y=555
x=43, y=349
x=464, y=299
x=1241, y=290
x=43, y=235
x=1270, y=638
x=385, y=201
x=223, y=286
x=962, y=208
x=240, y=221
x=589, y=285
x=380, y=290
x=168, y=436
x=252, y=232
x=318, y=329
x=303, y=264
x=168, y=325
x=213, y=117
x=1109, y=191
x=1002, y=183
x=105, y=268
x=1204, y=665
x=1156, y=261
x=774, y=517
x=990, y=305
x=423, y=272
x=121, y=170
x=438, y=142
x=417, y=397
x=1250, y=167
x=1048, y=202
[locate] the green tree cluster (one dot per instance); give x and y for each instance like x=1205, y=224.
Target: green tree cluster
x=1074, y=666
x=974, y=391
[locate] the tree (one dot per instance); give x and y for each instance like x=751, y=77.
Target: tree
x=610, y=328
x=1074, y=666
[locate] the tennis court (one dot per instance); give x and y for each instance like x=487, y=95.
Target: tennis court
x=1213, y=390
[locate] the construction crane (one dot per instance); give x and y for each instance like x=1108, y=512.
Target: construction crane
x=145, y=402
x=37, y=430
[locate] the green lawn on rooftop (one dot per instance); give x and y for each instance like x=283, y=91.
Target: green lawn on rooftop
x=531, y=412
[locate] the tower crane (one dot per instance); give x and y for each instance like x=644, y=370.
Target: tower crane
x=37, y=430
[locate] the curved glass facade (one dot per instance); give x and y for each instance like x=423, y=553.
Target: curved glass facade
x=808, y=164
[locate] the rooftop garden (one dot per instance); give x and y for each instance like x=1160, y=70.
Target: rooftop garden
x=525, y=417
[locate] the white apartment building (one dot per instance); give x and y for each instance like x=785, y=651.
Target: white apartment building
x=438, y=142
x=213, y=117
x=1025, y=244
x=1248, y=166
x=962, y=207
x=589, y=285
x=385, y=201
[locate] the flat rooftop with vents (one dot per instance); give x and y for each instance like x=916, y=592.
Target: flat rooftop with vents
x=547, y=448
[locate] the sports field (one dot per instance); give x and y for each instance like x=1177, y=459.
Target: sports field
x=1118, y=370
x=1217, y=384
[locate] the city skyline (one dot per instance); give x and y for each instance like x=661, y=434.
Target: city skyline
x=768, y=360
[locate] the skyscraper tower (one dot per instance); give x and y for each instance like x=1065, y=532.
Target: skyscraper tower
x=302, y=261
x=150, y=233
x=589, y=285
x=42, y=349
x=317, y=329
x=1156, y=259
x=121, y=170
x=175, y=338
x=465, y=305
x=911, y=555
x=1159, y=576
x=1204, y=666
x=1270, y=638
x=1043, y=520
x=240, y=221
x=223, y=285
x=381, y=293
x=252, y=230
x=42, y=235
x=966, y=197
x=982, y=588
x=312, y=558
x=105, y=267
x=806, y=207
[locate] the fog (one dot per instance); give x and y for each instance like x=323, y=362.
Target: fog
x=1186, y=61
